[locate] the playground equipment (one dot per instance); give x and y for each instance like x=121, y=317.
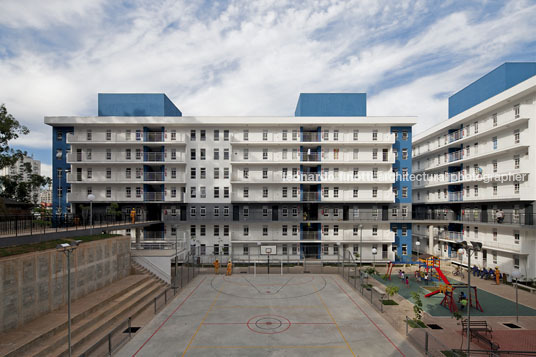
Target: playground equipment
x=447, y=288
x=389, y=270
x=432, y=266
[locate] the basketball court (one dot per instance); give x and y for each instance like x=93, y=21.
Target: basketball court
x=268, y=315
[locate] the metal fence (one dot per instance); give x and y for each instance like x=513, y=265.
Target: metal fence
x=48, y=223
x=125, y=330
x=423, y=339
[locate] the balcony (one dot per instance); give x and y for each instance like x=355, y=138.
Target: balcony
x=310, y=137
x=310, y=236
x=153, y=137
x=455, y=155
x=455, y=196
x=456, y=135
x=153, y=156
x=153, y=176
x=153, y=196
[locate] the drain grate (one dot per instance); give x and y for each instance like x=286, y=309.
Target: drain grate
x=131, y=329
x=435, y=327
x=510, y=325
x=243, y=272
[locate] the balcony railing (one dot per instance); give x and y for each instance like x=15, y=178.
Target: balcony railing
x=455, y=196
x=311, y=196
x=456, y=135
x=314, y=156
x=456, y=155
x=153, y=156
x=310, y=137
x=310, y=235
x=153, y=176
x=153, y=196
x=153, y=137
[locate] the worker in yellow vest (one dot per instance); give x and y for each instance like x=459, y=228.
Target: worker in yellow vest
x=229, y=267
x=133, y=215
x=216, y=266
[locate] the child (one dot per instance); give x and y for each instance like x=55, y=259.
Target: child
x=407, y=280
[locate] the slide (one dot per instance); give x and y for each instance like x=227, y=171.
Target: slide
x=443, y=277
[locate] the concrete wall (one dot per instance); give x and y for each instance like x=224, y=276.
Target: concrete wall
x=36, y=283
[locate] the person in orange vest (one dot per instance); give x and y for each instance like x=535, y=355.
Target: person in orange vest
x=497, y=275
x=229, y=267
x=133, y=215
x=216, y=266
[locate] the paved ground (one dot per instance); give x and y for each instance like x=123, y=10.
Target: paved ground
x=268, y=315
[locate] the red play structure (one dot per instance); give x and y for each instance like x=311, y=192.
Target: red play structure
x=389, y=270
x=448, y=289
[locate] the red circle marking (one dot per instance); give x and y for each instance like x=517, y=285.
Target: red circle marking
x=288, y=323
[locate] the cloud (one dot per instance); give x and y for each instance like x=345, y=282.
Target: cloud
x=46, y=170
x=252, y=58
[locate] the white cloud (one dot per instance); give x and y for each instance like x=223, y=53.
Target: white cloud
x=46, y=170
x=253, y=58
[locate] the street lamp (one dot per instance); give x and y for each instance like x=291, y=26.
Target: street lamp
x=360, y=247
x=474, y=247
x=374, y=252
x=67, y=249
x=516, y=274
x=91, y=197
x=418, y=243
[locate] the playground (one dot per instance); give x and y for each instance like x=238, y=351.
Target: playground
x=442, y=293
x=268, y=315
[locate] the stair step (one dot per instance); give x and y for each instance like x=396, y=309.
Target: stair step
x=81, y=326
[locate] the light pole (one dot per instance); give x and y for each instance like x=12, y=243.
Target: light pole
x=516, y=274
x=418, y=243
x=360, y=248
x=91, y=197
x=474, y=247
x=67, y=249
x=374, y=252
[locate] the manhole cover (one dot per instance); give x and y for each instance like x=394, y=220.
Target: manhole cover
x=435, y=327
x=511, y=325
x=131, y=330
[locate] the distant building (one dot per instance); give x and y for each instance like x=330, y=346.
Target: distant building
x=19, y=168
x=46, y=197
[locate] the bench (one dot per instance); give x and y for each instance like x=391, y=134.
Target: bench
x=492, y=345
x=476, y=326
x=525, y=287
x=379, y=291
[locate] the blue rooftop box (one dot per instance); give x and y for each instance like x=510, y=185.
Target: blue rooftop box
x=500, y=79
x=331, y=105
x=137, y=105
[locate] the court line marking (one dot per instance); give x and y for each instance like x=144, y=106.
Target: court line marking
x=284, y=323
x=267, y=347
x=268, y=306
x=368, y=317
x=201, y=323
x=335, y=322
x=166, y=320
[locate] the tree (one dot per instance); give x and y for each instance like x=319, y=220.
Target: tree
x=391, y=290
x=14, y=186
x=417, y=306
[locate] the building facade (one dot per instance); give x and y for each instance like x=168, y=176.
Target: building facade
x=25, y=168
x=311, y=185
x=475, y=173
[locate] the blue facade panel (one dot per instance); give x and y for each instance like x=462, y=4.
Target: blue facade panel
x=500, y=79
x=137, y=105
x=401, y=181
x=331, y=105
x=401, y=240
x=60, y=168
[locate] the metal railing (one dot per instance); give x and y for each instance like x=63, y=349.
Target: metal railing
x=14, y=226
x=153, y=196
x=313, y=156
x=154, y=136
x=153, y=156
x=311, y=196
x=310, y=137
x=153, y=176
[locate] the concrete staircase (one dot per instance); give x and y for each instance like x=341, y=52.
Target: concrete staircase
x=93, y=317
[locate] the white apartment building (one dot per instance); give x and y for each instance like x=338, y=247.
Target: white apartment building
x=308, y=186
x=480, y=182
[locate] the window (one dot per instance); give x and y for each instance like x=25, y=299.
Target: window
x=375, y=192
x=294, y=134
x=356, y=135
x=192, y=135
x=356, y=154
x=202, y=154
x=495, y=190
x=128, y=192
x=284, y=154
x=326, y=249
x=203, y=136
x=192, y=192
x=216, y=173
x=284, y=135
x=265, y=192
x=216, y=192
x=356, y=193
x=128, y=134
x=216, y=230
x=245, y=135
x=203, y=173
x=326, y=230
x=173, y=135
x=374, y=230
x=108, y=154
x=326, y=135
x=326, y=192
x=265, y=154
x=516, y=187
x=264, y=230
x=264, y=173
x=226, y=192
x=284, y=211
x=335, y=249
x=226, y=211
x=226, y=135
x=89, y=173
x=59, y=135
x=193, y=211
x=192, y=154
x=516, y=136
x=173, y=173
x=404, y=154
x=216, y=154
x=216, y=135
x=284, y=230
x=476, y=190
x=246, y=192
x=494, y=140
x=405, y=135
x=374, y=135
x=193, y=172
x=516, y=111
x=475, y=127
x=203, y=192
x=404, y=211
x=173, y=192
x=335, y=230
x=494, y=119
x=245, y=231
x=173, y=154
x=245, y=154
x=335, y=135
x=404, y=249
x=516, y=162
x=89, y=135
x=138, y=192
x=108, y=192
x=226, y=173
x=108, y=173
x=374, y=154
x=138, y=134
x=265, y=135
x=494, y=254
x=494, y=166
x=516, y=237
x=375, y=173
x=335, y=192
x=226, y=154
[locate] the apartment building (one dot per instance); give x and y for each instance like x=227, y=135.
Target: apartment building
x=314, y=184
x=475, y=173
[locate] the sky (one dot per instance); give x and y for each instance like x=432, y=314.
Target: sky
x=250, y=57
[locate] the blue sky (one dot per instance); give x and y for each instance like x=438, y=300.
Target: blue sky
x=251, y=57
